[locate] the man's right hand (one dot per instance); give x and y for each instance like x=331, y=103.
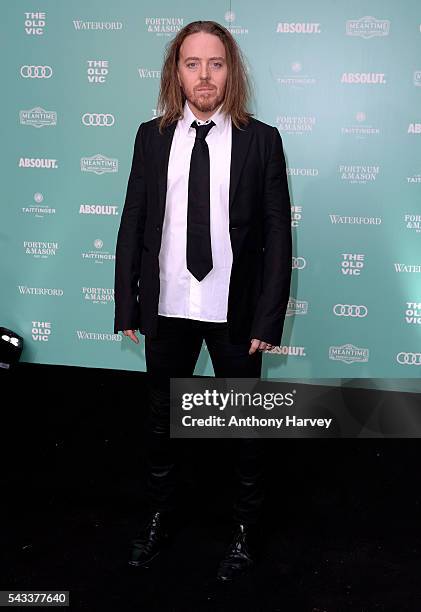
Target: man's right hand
x=132, y=335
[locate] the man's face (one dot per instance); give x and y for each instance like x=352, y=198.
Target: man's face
x=202, y=73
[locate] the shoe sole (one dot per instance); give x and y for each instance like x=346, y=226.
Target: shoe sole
x=143, y=563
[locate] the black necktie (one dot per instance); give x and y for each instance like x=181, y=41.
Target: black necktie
x=199, y=251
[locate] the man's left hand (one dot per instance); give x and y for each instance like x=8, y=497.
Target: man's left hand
x=259, y=345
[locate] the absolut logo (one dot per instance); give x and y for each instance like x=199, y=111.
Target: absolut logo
x=289, y=124
x=38, y=117
x=163, y=26
x=98, y=209
x=413, y=222
x=364, y=78
x=38, y=209
x=35, y=23
x=40, y=250
x=358, y=174
x=414, y=128
x=296, y=307
x=348, y=353
x=98, y=295
x=41, y=331
x=291, y=351
x=38, y=162
x=97, y=71
x=298, y=28
x=99, y=164
x=413, y=313
x=352, y=264
x=367, y=27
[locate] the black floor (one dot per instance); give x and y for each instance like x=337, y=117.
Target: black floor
x=342, y=524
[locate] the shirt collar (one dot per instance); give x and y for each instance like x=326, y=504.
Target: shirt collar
x=219, y=118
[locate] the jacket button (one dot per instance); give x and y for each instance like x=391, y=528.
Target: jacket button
x=232, y=227
x=157, y=228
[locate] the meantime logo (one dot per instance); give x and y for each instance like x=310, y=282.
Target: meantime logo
x=35, y=23
x=98, y=295
x=348, y=353
x=40, y=250
x=358, y=174
x=288, y=124
x=98, y=209
x=37, y=162
x=39, y=210
x=298, y=28
x=86, y=335
x=338, y=219
x=37, y=117
x=296, y=79
x=99, y=164
x=364, y=78
x=413, y=313
x=296, y=307
x=163, y=26
x=413, y=222
x=98, y=254
x=352, y=264
x=97, y=71
x=24, y=290
x=367, y=27
x=97, y=25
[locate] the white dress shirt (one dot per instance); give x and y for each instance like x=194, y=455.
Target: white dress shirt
x=181, y=294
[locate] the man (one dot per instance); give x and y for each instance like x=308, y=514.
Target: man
x=203, y=253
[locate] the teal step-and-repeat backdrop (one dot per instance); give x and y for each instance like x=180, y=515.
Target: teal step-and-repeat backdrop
x=340, y=80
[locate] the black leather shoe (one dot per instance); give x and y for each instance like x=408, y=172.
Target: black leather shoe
x=151, y=540
x=240, y=554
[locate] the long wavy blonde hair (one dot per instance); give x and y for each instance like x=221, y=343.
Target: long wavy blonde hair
x=238, y=89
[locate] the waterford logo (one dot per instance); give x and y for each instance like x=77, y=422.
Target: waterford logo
x=348, y=353
x=99, y=164
x=367, y=27
x=37, y=117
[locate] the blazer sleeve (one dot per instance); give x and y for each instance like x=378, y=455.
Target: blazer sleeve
x=277, y=257
x=130, y=242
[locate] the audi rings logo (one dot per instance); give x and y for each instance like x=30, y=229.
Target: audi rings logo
x=298, y=263
x=36, y=72
x=98, y=119
x=350, y=310
x=409, y=358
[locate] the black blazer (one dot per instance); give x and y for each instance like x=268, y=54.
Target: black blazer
x=260, y=232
